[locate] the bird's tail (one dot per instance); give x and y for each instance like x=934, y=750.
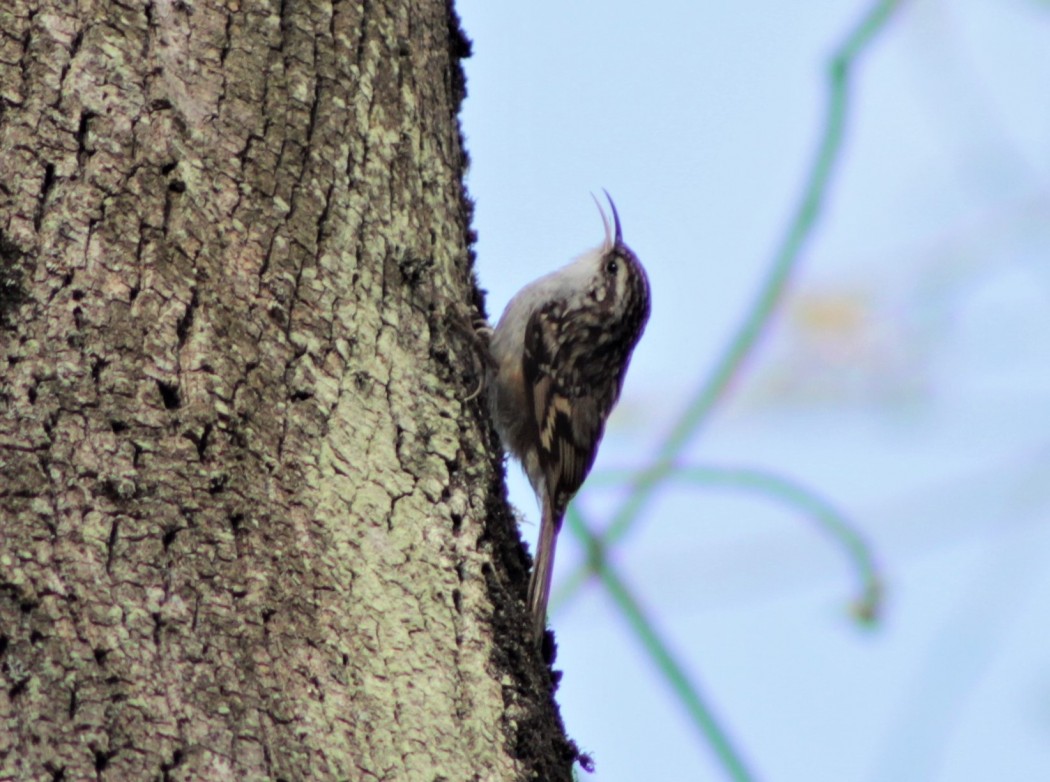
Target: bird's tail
x=540, y=581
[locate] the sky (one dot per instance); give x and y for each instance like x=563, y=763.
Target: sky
x=905, y=377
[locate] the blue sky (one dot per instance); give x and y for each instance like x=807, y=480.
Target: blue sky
x=906, y=378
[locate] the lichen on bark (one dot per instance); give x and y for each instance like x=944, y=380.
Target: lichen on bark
x=253, y=525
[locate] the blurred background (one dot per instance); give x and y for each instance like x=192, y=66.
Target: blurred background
x=838, y=564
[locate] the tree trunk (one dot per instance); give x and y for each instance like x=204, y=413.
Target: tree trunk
x=253, y=525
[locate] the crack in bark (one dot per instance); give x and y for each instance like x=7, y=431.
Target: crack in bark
x=45, y=190
x=111, y=544
x=185, y=323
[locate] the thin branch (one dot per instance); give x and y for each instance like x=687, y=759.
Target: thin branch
x=829, y=520
x=700, y=713
x=762, y=309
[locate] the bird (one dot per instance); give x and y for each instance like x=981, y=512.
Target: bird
x=559, y=356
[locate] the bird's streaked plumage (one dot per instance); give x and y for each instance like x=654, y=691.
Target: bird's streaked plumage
x=561, y=351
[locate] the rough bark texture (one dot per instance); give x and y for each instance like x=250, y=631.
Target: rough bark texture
x=251, y=527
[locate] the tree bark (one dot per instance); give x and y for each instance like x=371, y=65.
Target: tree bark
x=252, y=525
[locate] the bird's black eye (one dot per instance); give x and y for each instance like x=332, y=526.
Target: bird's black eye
x=612, y=266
